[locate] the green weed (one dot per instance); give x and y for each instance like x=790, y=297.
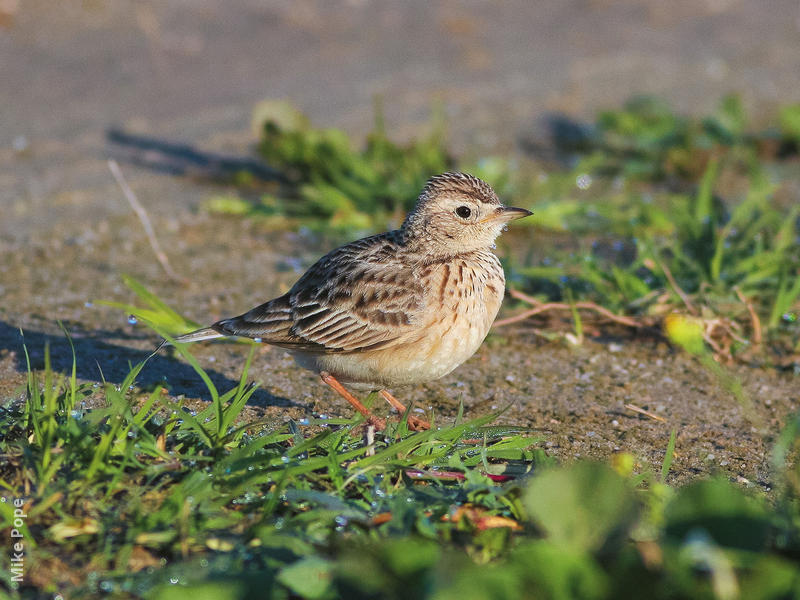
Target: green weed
x=159, y=502
x=734, y=258
x=139, y=477
x=334, y=186
x=155, y=310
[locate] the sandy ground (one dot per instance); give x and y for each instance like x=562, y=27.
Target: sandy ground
x=168, y=87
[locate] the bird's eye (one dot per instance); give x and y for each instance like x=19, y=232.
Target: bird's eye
x=464, y=212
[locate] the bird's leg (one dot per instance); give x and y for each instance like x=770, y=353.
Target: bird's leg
x=414, y=423
x=330, y=380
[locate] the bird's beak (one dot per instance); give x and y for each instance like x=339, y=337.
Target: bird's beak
x=504, y=214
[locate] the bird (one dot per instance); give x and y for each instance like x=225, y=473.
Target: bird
x=394, y=309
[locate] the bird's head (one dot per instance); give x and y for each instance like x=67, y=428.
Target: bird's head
x=457, y=213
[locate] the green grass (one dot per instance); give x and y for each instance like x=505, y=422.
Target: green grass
x=137, y=496
x=679, y=209
x=332, y=185
x=711, y=254
x=140, y=498
x=656, y=208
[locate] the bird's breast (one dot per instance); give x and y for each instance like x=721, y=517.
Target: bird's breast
x=467, y=294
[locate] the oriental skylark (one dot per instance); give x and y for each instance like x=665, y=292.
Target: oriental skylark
x=398, y=308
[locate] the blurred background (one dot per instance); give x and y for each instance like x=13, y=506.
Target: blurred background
x=191, y=72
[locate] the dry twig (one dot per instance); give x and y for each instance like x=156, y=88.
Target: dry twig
x=644, y=412
x=753, y=316
x=142, y=214
x=678, y=290
x=540, y=307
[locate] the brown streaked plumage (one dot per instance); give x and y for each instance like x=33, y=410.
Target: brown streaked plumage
x=399, y=308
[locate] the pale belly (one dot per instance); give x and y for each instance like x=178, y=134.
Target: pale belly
x=430, y=358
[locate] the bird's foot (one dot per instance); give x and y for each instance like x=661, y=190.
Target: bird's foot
x=414, y=423
x=376, y=422
x=371, y=420
x=417, y=424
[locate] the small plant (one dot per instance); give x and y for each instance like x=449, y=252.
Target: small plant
x=733, y=261
x=647, y=140
x=334, y=186
x=155, y=311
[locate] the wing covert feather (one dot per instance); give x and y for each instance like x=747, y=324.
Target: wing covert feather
x=358, y=297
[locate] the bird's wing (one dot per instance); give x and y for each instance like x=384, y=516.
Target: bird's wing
x=358, y=297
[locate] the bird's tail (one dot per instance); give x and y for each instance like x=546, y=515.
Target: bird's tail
x=207, y=333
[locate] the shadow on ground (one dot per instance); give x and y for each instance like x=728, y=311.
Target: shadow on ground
x=99, y=361
x=175, y=158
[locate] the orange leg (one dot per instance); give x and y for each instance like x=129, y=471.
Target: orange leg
x=340, y=389
x=414, y=423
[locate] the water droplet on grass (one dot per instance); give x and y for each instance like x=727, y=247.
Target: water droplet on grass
x=257, y=340
x=583, y=181
x=132, y=320
x=88, y=304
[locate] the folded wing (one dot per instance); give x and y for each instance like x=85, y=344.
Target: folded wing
x=358, y=297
